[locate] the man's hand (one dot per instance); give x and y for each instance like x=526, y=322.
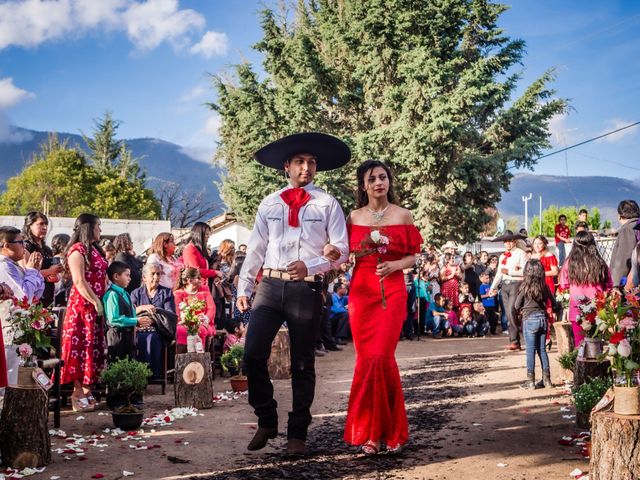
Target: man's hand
x=150, y=309
x=297, y=270
x=5, y=291
x=34, y=261
x=331, y=252
x=505, y=271
x=243, y=304
x=493, y=292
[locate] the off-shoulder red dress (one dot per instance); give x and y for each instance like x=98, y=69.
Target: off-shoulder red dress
x=376, y=402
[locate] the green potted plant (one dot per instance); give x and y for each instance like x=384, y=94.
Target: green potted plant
x=568, y=360
x=125, y=378
x=231, y=362
x=586, y=396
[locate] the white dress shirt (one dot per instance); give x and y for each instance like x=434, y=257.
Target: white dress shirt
x=518, y=258
x=275, y=244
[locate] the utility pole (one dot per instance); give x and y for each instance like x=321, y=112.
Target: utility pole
x=540, y=232
x=526, y=210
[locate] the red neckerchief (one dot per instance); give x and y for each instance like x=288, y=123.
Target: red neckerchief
x=506, y=255
x=295, y=198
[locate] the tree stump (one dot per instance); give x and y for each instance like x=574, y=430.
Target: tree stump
x=614, y=447
x=566, y=344
x=193, y=384
x=280, y=358
x=24, y=434
x=589, y=369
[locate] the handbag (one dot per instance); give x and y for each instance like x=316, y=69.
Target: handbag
x=165, y=322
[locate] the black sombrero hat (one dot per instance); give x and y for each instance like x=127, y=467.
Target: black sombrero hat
x=509, y=236
x=330, y=152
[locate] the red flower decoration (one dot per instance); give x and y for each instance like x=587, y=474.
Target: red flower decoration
x=616, y=338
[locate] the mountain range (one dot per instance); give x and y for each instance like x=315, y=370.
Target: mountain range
x=162, y=162
x=167, y=162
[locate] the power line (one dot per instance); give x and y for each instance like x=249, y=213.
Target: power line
x=589, y=141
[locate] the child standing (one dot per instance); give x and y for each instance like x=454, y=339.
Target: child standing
x=465, y=297
x=488, y=302
x=563, y=236
x=531, y=301
x=120, y=314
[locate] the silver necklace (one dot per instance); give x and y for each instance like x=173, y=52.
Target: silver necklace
x=378, y=216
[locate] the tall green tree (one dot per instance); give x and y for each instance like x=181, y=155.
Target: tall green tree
x=426, y=86
x=550, y=219
x=60, y=181
x=108, y=155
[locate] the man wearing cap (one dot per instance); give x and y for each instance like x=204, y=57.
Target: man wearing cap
x=510, y=268
x=292, y=228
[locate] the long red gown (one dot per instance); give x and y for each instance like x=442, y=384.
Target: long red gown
x=376, y=403
x=83, y=339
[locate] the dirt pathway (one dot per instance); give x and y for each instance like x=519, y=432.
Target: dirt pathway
x=466, y=416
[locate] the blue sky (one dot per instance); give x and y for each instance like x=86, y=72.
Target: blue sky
x=63, y=63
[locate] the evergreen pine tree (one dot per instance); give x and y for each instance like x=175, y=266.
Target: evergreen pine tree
x=426, y=86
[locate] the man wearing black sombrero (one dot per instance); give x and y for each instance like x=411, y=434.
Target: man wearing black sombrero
x=292, y=227
x=509, y=274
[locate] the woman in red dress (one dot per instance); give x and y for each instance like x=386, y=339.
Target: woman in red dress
x=550, y=264
x=376, y=404
x=450, y=277
x=83, y=340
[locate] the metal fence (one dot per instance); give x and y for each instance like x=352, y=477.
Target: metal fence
x=605, y=247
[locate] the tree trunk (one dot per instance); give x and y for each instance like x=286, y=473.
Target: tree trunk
x=24, y=435
x=193, y=383
x=615, y=447
x=280, y=358
x=564, y=339
x=589, y=369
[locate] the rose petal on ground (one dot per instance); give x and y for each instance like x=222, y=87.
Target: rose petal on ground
x=502, y=465
x=126, y=473
x=577, y=473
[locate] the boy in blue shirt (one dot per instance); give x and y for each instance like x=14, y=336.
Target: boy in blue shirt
x=120, y=314
x=488, y=301
x=436, y=316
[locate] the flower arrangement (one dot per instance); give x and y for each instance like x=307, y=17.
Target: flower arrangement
x=191, y=312
x=375, y=244
x=563, y=297
x=618, y=316
x=588, y=318
x=30, y=326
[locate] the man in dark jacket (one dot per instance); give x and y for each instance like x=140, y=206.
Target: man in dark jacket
x=628, y=214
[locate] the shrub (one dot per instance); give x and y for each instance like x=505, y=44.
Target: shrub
x=127, y=377
x=588, y=394
x=232, y=358
x=568, y=360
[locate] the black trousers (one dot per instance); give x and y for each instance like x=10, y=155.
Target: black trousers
x=492, y=318
x=300, y=305
x=340, y=325
x=509, y=294
x=120, y=344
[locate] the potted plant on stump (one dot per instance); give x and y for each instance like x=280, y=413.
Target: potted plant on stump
x=231, y=362
x=127, y=377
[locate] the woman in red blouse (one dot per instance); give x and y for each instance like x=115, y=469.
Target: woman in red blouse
x=196, y=254
x=550, y=264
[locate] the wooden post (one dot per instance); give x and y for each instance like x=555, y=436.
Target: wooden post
x=280, y=358
x=614, y=447
x=24, y=435
x=193, y=383
x=589, y=369
x=564, y=339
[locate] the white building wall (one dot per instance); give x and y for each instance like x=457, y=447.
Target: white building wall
x=141, y=231
x=235, y=231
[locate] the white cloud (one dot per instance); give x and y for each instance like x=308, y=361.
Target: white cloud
x=155, y=21
x=561, y=134
x=212, y=126
x=211, y=44
x=615, y=124
x=147, y=23
x=193, y=94
x=11, y=95
x=10, y=134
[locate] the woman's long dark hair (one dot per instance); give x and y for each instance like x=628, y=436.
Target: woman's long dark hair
x=365, y=167
x=533, y=284
x=198, y=235
x=30, y=219
x=585, y=264
x=83, y=233
x=122, y=243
